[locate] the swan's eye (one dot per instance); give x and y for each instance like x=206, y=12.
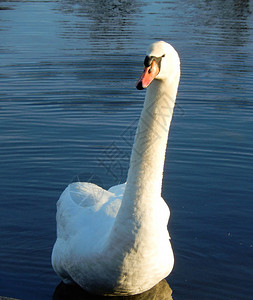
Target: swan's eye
x=148, y=60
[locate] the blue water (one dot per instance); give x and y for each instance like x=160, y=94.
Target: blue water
x=69, y=109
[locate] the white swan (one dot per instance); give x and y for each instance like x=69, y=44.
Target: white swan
x=116, y=242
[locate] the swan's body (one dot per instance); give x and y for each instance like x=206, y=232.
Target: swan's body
x=116, y=241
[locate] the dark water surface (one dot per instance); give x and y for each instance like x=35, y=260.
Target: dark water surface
x=69, y=108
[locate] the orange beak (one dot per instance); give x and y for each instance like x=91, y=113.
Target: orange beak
x=148, y=75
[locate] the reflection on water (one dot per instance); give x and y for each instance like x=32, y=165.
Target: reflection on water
x=161, y=291
x=229, y=18
x=110, y=24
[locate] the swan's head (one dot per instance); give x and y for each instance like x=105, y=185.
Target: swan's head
x=161, y=63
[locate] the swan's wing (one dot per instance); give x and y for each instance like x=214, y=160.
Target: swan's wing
x=87, y=208
x=118, y=190
x=85, y=216
x=86, y=194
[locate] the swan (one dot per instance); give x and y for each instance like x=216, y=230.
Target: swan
x=116, y=241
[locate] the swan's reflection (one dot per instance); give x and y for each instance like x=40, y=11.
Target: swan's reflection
x=161, y=291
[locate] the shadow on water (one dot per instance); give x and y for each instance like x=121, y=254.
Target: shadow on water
x=161, y=291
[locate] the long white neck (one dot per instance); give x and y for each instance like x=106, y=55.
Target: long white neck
x=148, y=153
x=145, y=174
x=136, y=224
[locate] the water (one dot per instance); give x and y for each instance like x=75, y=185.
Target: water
x=68, y=110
